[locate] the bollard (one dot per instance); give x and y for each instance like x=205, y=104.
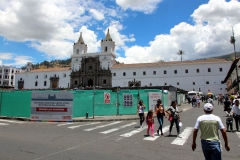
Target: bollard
x=86, y=115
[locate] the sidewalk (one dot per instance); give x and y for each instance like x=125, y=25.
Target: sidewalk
x=101, y=118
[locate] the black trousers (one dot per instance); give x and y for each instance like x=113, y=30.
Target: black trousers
x=229, y=124
x=142, y=118
x=237, y=121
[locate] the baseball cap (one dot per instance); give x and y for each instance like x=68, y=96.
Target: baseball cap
x=159, y=100
x=208, y=107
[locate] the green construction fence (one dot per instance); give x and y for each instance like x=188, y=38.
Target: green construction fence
x=18, y=103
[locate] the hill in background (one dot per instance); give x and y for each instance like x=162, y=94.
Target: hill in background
x=67, y=62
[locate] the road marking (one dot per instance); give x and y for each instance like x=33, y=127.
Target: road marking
x=4, y=124
x=73, y=127
x=121, y=127
x=165, y=129
x=65, y=124
x=238, y=133
x=90, y=129
x=129, y=134
x=185, y=134
x=3, y=120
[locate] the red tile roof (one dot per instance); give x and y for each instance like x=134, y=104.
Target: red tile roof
x=47, y=70
x=154, y=64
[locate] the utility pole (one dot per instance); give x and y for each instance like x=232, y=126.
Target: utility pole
x=233, y=40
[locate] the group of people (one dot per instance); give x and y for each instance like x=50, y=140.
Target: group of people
x=160, y=113
x=232, y=110
x=209, y=125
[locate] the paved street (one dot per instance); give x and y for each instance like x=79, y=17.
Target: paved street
x=23, y=140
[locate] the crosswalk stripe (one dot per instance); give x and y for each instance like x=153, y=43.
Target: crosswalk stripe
x=4, y=124
x=121, y=127
x=185, y=134
x=90, y=129
x=238, y=133
x=73, y=127
x=129, y=134
x=65, y=124
x=3, y=120
x=165, y=129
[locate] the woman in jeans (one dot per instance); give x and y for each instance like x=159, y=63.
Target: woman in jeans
x=159, y=109
x=140, y=109
x=173, y=111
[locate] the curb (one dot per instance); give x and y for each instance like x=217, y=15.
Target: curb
x=74, y=120
x=15, y=118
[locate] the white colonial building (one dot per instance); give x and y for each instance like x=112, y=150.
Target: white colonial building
x=101, y=69
x=198, y=75
x=7, y=76
x=43, y=79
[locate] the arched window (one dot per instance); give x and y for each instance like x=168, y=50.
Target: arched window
x=36, y=83
x=45, y=83
x=77, y=51
x=105, y=49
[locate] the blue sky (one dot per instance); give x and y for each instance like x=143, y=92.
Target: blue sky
x=143, y=30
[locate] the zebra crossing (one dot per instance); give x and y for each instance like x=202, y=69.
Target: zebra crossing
x=4, y=122
x=130, y=130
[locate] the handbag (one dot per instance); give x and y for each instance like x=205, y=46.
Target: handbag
x=170, y=118
x=180, y=124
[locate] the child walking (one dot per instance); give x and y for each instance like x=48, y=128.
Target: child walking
x=229, y=120
x=150, y=122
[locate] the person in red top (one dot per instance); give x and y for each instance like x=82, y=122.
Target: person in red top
x=150, y=122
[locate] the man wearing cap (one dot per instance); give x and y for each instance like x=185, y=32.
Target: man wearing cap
x=209, y=125
x=236, y=113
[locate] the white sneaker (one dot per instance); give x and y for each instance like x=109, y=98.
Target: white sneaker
x=170, y=134
x=179, y=136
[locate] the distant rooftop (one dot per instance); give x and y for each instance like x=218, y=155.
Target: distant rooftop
x=120, y=65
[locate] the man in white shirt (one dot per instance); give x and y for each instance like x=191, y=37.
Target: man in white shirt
x=209, y=125
x=236, y=113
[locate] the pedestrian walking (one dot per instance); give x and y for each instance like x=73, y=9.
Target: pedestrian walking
x=210, y=100
x=150, y=122
x=194, y=101
x=198, y=101
x=160, y=112
x=226, y=104
x=236, y=113
x=209, y=126
x=229, y=120
x=140, y=110
x=174, y=117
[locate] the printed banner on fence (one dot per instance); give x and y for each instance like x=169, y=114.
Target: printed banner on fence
x=52, y=106
x=127, y=100
x=152, y=98
x=106, y=97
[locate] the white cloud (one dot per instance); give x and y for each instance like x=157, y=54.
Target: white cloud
x=17, y=60
x=22, y=60
x=146, y=6
x=51, y=26
x=97, y=14
x=6, y=56
x=208, y=37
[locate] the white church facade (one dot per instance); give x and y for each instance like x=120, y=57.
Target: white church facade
x=101, y=69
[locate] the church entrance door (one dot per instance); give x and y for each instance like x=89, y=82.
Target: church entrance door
x=90, y=82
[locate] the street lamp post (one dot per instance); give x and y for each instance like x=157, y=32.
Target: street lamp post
x=233, y=40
